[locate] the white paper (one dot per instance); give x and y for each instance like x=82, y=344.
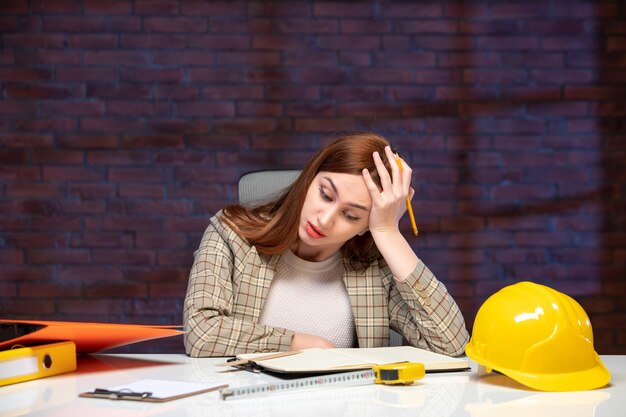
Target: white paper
x=163, y=388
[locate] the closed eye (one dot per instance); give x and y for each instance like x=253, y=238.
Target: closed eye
x=325, y=196
x=351, y=217
x=328, y=198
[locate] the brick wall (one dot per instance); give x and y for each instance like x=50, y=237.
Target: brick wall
x=125, y=124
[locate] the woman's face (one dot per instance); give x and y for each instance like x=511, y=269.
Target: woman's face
x=336, y=208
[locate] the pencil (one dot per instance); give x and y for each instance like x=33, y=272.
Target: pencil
x=409, y=207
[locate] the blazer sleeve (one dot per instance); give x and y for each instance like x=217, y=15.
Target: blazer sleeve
x=422, y=310
x=210, y=323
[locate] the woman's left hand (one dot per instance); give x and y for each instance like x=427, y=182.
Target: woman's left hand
x=388, y=205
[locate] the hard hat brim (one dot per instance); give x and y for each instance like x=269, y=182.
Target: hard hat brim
x=587, y=379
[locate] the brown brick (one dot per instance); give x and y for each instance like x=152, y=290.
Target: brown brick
x=60, y=125
x=87, y=141
x=122, y=256
x=128, y=108
x=48, y=290
x=223, y=8
x=24, y=74
x=16, y=7
x=198, y=108
x=73, y=24
x=167, y=290
x=92, y=41
x=220, y=42
x=65, y=173
x=337, y=9
x=48, y=57
x=248, y=125
x=57, y=6
x=175, y=24
x=152, y=41
x=519, y=10
x=11, y=257
x=259, y=109
x=125, y=23
x=111, y=7
x=404, y=10
x=72, y=108
x=221, y=92
x=42, y=140
x=61, y=157
x=110, y=124
x=99, y=74
x=24, y=307
x=109, y=289
x=56, y=256
x=305, y=25
x=33, y=40
x=157, y=7
x=115, y=58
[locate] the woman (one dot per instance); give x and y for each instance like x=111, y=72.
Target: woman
x=324, y=265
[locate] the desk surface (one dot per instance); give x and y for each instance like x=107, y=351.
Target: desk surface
x=442, y=395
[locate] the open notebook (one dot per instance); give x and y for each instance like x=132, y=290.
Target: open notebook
x=334, y=360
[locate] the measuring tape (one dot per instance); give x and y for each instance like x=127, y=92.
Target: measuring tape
x=392, y=374
x=347, y=379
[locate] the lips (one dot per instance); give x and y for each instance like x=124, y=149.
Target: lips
x=314, y=232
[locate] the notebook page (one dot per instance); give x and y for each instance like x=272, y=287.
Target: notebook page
x=385, y=355
x=313, y=359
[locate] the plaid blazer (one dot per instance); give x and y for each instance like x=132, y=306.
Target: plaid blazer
x=229, y=282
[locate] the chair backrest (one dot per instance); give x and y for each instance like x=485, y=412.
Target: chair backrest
x=260, y=186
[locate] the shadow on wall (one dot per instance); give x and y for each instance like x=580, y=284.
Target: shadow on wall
x=560, y=130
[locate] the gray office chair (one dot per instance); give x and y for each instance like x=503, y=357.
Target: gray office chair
x=261, y=186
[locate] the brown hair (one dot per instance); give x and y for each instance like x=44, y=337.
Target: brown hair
x=273, y=227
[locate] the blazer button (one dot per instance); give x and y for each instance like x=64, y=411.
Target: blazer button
x=426, y=301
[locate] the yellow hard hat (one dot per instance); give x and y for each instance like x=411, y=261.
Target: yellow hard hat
x=538, y=336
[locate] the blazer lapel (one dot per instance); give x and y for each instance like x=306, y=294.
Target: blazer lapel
x=369, y=304
x=255, y=283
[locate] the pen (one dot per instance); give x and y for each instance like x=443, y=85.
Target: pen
x=409, y=207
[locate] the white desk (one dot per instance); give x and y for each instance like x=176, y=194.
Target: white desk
x=442, y=395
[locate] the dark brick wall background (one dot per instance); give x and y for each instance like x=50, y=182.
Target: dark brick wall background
x=125, y=124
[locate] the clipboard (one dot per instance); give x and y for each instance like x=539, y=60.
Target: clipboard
x=88, y=337
x=154, y=390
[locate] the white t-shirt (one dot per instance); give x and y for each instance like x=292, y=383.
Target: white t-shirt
x=310, y=297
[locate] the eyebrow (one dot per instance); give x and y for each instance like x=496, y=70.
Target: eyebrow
x=332, y=184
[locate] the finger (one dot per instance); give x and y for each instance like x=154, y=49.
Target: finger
x=396, y=168
x=383, y=174
x=371, y=185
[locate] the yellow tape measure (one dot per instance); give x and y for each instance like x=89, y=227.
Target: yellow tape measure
x=403, y=373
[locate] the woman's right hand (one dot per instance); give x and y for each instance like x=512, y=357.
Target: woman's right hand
x=304, y=341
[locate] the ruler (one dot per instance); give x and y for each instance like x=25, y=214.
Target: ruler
x=345, y=379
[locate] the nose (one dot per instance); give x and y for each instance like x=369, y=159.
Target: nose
x=325, y=217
